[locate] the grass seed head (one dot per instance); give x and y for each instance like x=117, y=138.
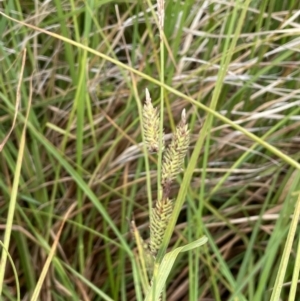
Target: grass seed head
x=158, y=223
x=151, y=125
x=174, y=156
x=161, y=13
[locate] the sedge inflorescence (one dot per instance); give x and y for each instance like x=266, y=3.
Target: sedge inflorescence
x=172, y=163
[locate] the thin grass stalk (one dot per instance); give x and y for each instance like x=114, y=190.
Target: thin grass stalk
x=80, y=110
x=161, y=15
x=14, y=192
x=81, y=99
x=294, y=284
x=286, y=253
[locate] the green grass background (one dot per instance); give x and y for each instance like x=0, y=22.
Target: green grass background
x=234, y=67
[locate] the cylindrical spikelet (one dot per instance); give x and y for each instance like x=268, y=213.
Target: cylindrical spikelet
x=158, y=223
x=174, y=155
x=151, y=124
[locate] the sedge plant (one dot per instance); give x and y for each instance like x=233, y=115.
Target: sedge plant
x=172, y=162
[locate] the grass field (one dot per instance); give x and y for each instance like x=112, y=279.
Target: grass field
x=75, y=172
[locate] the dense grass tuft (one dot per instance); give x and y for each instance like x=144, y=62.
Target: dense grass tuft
x=234, y=67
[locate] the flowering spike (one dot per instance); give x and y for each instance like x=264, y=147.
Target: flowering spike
x=158, y=223
x=175, y=153
x=151, y=124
